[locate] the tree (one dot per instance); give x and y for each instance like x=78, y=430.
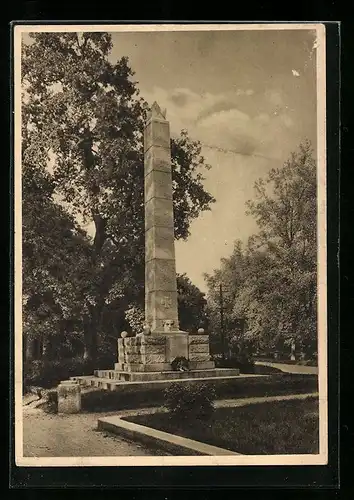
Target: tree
x=273, y=280
x=230, y=276
x=191, y=305
x=54, y=250
x=83, y=116
x=286, y=250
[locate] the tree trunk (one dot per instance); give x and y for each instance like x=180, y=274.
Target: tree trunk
x=90, y=351
x=29, y=349
x=91, y=326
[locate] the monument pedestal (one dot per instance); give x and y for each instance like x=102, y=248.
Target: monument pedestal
x=153, y=353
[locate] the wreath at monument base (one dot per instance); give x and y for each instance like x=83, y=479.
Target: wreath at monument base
x=180, y=364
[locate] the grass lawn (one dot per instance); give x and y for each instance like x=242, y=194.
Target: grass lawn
x=282, y=427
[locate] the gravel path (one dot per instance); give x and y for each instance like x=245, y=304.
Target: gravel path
x=228, y=403
x=287, y=368
x=51, y=435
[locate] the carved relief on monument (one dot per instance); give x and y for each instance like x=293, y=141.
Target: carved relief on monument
x=168, y=325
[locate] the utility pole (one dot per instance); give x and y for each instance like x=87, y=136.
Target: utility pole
x=221, y=300
x=221, y=290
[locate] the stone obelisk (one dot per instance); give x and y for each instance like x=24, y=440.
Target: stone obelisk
x=161, y=311
x=154, y=350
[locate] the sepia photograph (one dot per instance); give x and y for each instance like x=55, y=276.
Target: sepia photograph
x=170, y=245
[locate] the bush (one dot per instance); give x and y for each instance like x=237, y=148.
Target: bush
x=190, y=400
x=242, y=362
x=48, y=373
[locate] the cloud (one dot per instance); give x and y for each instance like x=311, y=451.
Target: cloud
x=217, y=120
x=218, y=107
x=287, y=120
x=274, y=97
x=244, y=92
x=181, y=96
x=295, y=73
x=262, y=118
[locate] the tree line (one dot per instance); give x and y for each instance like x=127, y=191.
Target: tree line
x=271, y=281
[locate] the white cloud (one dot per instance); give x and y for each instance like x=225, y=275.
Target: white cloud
x=295, y=73
x=287, y=120
x=215, y=120
x=262, y=118
x=274, y=97
x=244, y=92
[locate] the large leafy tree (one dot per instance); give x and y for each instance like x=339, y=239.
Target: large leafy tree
x=82, y=118
x=191, y=305
x=54, y=250
x=274, y=279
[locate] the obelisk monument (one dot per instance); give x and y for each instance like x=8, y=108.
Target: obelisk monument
x=152, y=351
x=161, y=309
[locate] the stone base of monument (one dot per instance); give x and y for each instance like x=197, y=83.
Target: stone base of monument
x=149, y=359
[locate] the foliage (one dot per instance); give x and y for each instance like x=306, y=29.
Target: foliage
x=49, y=373
x=242, y=362
x=272, y=280
x=82, y=126
x=191, y=305
x=54, y=250
x=188, y=400
x=136, y=318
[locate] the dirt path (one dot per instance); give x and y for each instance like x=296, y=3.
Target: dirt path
x=228, y=403
x=286, y=368
x=51, y=435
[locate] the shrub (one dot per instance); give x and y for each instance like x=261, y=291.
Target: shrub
x=48, y=373
x=189, y=400
x=242, y=362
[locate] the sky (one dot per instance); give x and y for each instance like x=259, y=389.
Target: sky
x=249, y=96
x=253, y=92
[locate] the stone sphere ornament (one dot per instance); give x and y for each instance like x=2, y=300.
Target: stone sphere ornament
x=201, y=331
x=146, y=330
x=124, y=335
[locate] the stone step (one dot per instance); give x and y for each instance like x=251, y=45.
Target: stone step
x=137, y=385
x=116, y=375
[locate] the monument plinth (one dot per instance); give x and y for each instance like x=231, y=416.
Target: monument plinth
x=149, y=355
